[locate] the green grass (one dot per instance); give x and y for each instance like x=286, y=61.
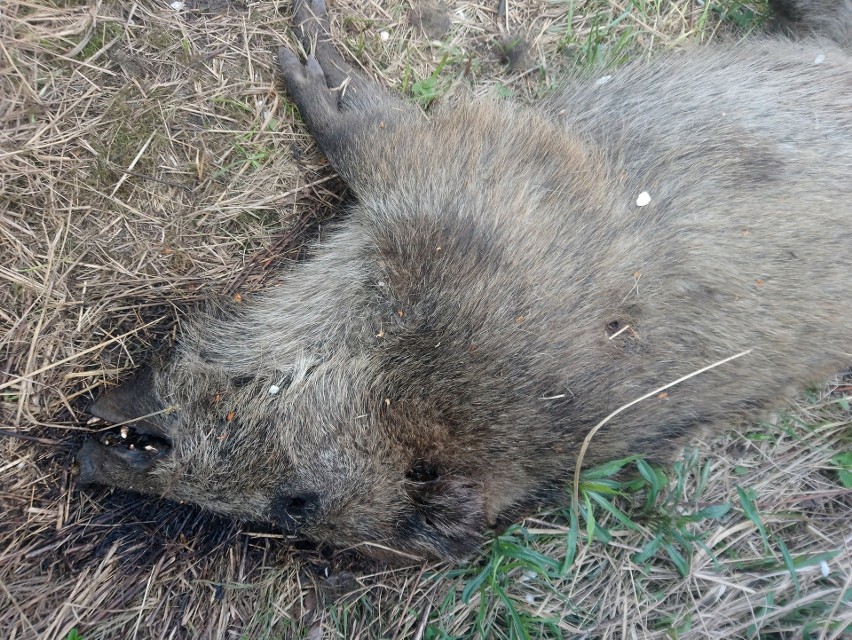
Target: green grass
x=104, y=35
x=428, y=89
x=665, y=508
x=648, y=502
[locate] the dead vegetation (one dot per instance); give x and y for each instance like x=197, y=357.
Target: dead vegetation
x=149, y=163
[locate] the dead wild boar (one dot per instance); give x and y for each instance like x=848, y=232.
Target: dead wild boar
x=509, y=276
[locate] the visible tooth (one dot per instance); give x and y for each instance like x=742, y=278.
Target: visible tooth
x=148, y=447
x=131, y=446
x=124, y=432
x=93, y=420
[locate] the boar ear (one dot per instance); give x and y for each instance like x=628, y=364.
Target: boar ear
x=134, y=402
x=449, y=516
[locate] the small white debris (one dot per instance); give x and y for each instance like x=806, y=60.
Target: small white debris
x=177, y=6
x=819, y=59
x=384, y=35
x=124, y=433
x=603, y=80
x=527, y=576
x=643, y=199
x=823, y=568
x=530, y=598
x=273, y=389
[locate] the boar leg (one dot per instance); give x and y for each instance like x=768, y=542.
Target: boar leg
x=310, y=24
x=338, y=104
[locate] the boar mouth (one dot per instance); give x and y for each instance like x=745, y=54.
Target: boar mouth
x=116, y=454
x=132, y=419
x=132, y=437
x=120, y=448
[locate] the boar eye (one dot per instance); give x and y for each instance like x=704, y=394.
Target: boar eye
x=242, y=381
x=291, y=510
x=422, y=472
x=296, y=504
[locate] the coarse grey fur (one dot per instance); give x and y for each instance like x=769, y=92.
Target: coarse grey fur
x=824, y=18
x=498, y=289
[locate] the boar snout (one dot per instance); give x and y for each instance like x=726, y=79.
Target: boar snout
x=89, y=463
x=118, y=460
x=134, y=433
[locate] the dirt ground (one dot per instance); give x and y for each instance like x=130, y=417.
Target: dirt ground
x=150, y=162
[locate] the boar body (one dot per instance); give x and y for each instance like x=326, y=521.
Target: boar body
x=502, y=284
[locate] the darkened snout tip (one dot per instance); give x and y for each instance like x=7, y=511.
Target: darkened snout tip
x=85, y=467
x=116, y=461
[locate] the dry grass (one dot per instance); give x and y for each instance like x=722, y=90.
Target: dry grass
x=148, y=163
